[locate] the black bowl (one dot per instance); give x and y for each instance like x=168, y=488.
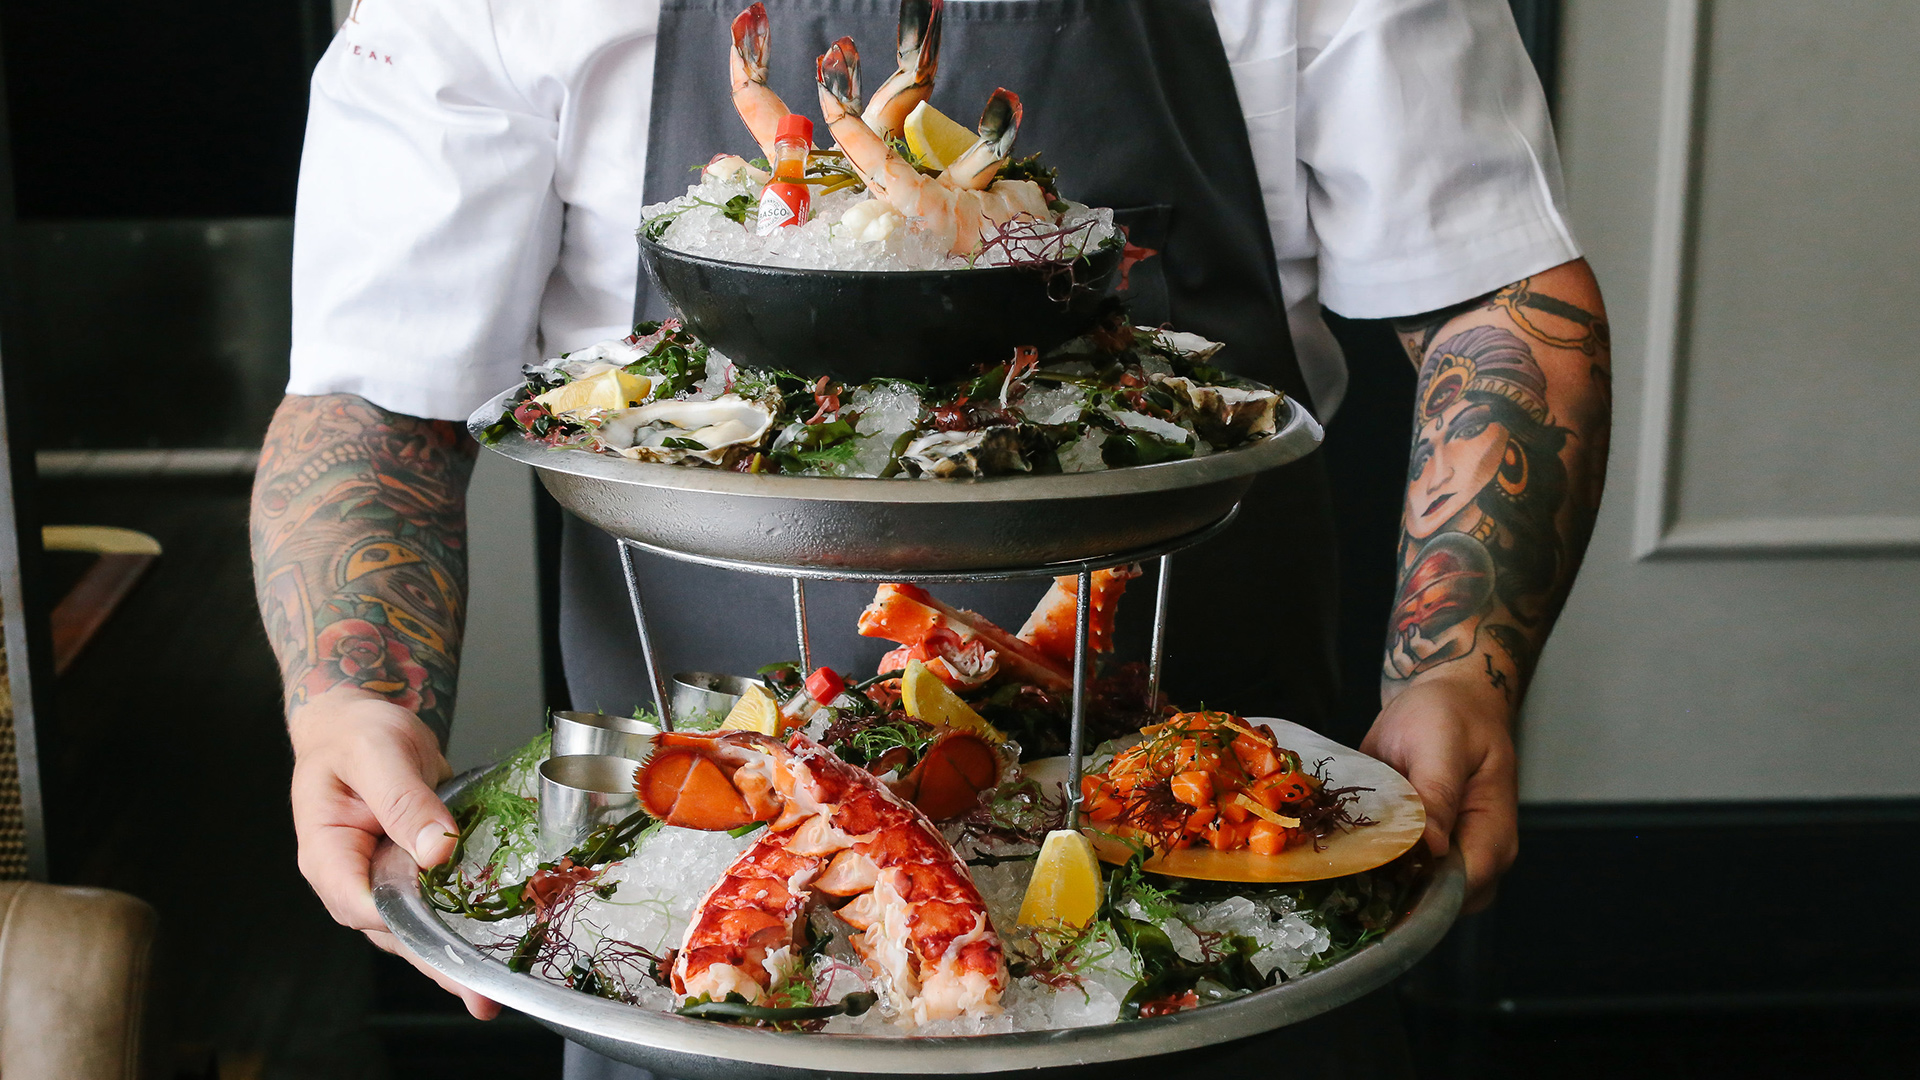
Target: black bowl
x=926, y=326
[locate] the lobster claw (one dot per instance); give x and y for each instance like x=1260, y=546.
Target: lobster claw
x=691, y=780
x=956, y=768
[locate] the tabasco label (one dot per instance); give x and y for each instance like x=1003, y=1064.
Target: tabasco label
x=781, y=204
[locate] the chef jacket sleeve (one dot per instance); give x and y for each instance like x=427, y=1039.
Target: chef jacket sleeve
x=427, y=223
x=1433, y=176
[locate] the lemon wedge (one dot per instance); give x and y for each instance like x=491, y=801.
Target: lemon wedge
x=612, y=389
x=925, y=697
x=1065, y=888
x=755, y=711
x=1254, y=807
x=936, y=139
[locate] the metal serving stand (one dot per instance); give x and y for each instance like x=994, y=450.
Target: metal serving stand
x=986, y=530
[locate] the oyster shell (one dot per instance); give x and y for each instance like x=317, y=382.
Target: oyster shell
x=1181, y=344
x=722, y=427
x=966, y=453
x=599, y=357
x=1227, y=415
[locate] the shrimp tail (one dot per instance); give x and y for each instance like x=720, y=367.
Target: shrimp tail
x=839, y=74
x=982, y=162
x=752, y=35
x=760, y=108
x=918, y=51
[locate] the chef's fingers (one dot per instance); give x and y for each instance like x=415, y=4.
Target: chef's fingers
x=480, y=1006
x=335, y=860
x=393, y=783
x=1487, y=830
x=1439, y=783
x=336, y=836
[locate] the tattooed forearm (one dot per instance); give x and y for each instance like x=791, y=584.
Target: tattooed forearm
x=1509, y=453
x=359, y=551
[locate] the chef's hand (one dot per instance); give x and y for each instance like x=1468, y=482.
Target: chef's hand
x=364, y=768
x=1450, y=734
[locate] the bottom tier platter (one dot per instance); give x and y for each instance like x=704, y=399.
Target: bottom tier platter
x=676, y=1046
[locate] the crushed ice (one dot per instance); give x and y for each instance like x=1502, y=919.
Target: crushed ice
x=697, y=223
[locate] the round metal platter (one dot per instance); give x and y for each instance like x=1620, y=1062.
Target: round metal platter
x=677, y=1046
x=897, y=527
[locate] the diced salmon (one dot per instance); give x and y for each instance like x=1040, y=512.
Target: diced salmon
x=1194, y=788
x=1266, y=838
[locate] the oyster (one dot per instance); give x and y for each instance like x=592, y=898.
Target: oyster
x=595, y=359
x=1180, y=344
x=966, y=453
x=681, y=430
x=1227, y=415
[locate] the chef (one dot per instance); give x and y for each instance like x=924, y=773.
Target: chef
x=471, y=183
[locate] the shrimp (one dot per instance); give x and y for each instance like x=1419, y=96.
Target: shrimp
x=959, y=217
x=834, y=832
x=918, y=47
x=999, y=123
x=758, y=105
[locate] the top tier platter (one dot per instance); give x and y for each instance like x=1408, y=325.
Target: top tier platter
x=902, y=527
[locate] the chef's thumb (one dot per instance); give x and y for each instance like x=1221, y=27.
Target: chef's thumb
x=1441, y=794
x=405, y=806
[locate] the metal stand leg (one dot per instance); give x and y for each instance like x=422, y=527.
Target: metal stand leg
x=662, y=704
x=1155, y=657
x=800, y=626
x=1081, y=611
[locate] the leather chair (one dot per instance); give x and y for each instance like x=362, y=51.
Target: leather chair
x=74, y=979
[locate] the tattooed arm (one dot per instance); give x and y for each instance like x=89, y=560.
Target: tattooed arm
x=1510, y=429
x=359, y=552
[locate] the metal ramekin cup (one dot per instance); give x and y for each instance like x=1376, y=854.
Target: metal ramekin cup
x=700, y=695
x=578, y=794
x=597, y=733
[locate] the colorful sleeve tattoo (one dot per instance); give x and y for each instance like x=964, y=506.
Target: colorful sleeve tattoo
x=1510, y=429
x=359, y=549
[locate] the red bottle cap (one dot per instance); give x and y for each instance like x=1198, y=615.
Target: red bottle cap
x=795, y=126
x=824, y=685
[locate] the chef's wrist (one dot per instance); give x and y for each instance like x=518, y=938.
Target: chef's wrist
x=1471, y=692
x=323, y=714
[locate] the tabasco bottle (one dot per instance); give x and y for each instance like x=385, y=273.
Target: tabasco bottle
x=786, y=200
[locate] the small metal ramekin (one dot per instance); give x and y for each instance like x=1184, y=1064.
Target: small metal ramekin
x=702, y=695
x=597, y=733
x=578, y=794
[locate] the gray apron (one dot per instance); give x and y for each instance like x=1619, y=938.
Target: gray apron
x=1133, y=102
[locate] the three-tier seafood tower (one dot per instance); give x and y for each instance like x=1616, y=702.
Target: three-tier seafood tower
x=899, y=359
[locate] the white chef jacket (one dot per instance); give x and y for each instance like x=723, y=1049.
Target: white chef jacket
x=471, y=180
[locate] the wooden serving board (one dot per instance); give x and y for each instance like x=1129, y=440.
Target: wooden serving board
x=1398, y=814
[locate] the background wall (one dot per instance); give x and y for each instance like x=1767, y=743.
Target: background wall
x=156, y=148
x=1742, y=175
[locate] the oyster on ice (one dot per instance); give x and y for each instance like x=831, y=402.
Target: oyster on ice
x=1227, y=414
x=675, y=431
x=966, y=453
x=1179, y=343
x=593, y=360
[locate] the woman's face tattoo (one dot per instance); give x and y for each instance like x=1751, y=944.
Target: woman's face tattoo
x=1484, y=484
x=1458, y=453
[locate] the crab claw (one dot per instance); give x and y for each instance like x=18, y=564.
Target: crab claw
x=951, y=775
